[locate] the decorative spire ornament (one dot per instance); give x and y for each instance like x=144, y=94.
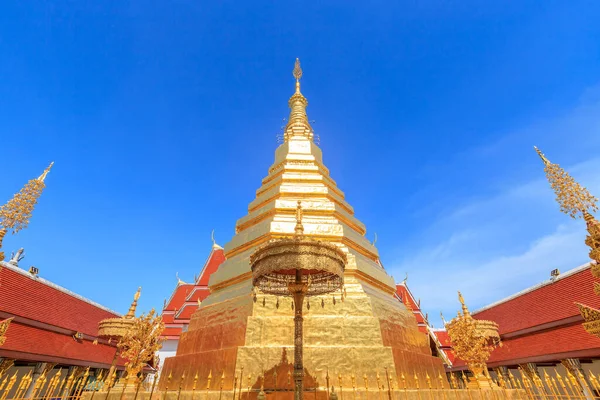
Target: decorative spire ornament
x=573, y=198
x=299, y=229
x=575, y=201
x=298, y=125
x=473, y=341
x=15, y=214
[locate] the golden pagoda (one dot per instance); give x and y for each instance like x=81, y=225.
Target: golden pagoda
x=358, y=330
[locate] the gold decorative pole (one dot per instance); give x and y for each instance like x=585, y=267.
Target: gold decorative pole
x=298, y=267
x=15, y=214
x=235, y=379
x=208, y=379
x=241, y=382
x=249, y=386
x=154, y=384
x=327, y=381
x=180, y=384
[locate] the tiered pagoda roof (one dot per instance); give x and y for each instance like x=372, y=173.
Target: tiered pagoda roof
x=46, y=319
x=178, y=310
x=542, y=323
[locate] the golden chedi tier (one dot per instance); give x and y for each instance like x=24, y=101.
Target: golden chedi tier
x=235, y=328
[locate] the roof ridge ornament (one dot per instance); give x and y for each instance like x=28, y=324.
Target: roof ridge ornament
x=215, y=246
x=179, y=281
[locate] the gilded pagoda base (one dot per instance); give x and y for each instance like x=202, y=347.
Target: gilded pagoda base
x=369, y=332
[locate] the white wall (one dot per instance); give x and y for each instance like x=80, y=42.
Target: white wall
x=168, y=349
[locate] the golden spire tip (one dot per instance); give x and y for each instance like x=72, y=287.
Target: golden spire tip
x=542, y=156
x=297, y=70
x=131, y=312
x=45, y=173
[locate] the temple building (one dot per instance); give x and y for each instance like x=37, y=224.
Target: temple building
x=184, y=301
x=541, y=327
x=49, y=328
x=439, y=343
x=358, y=330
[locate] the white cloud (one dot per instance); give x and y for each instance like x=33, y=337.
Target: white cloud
x=503, y=243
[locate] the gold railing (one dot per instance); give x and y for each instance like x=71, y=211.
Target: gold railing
x=78, y=385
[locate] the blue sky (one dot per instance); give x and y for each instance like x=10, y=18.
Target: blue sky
x=162, y=119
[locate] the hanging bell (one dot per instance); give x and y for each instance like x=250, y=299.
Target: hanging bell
x=322, y=303
x=264, y=301
x=308, y=305
x=334, y=300
x=292, y=305
x=254, y=296
x=277, y=304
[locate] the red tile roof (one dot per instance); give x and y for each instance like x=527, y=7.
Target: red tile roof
x=186, y=311
x=172, y=331
x=570, y=341
x=34, y=298
x=216, y=258
x=184, y=300
x=543, y=304
x=443, y=338
x=198, y=293
x=406, y=297
x=446, y=345
x=30, y=343
x=179, y=295
x=46, y=318
x=542, y=324
x=548, y=343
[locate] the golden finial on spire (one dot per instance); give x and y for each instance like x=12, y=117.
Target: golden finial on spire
x=299, y=230
x=570, y=195
x=297, y=74
x=297, y=70
x=131, y=312
x=45, y=173
x=464, y=306
x=298, y=125
x=542, y=156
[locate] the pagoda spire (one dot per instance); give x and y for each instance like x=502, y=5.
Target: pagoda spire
x=298, y=125
x=15, y=214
